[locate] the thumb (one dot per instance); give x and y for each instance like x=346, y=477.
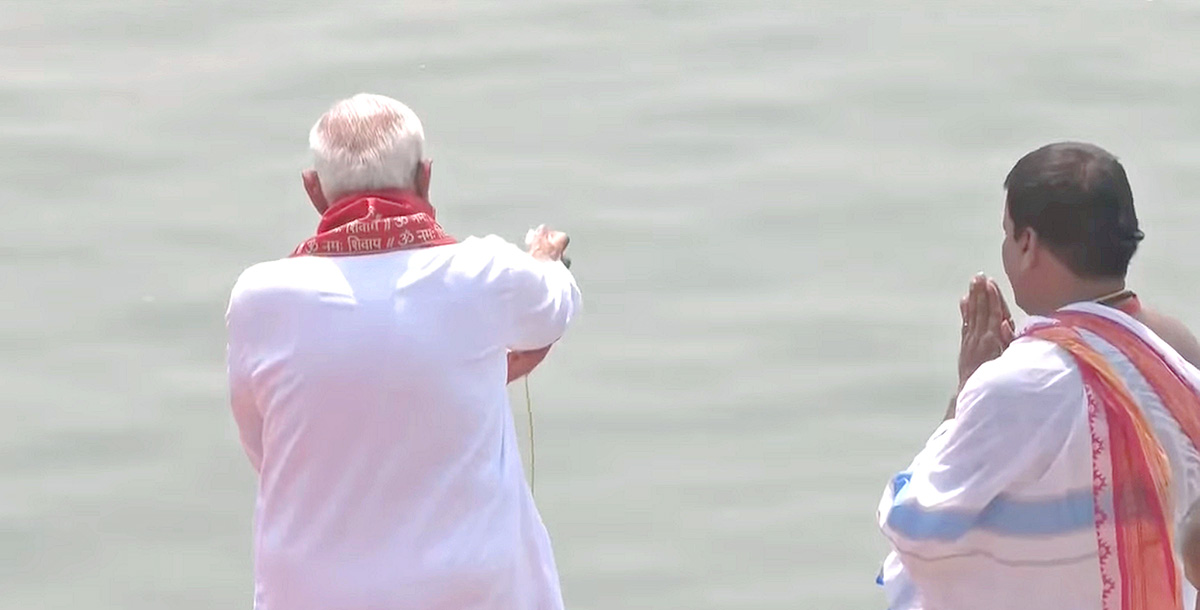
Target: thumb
x=559, y=240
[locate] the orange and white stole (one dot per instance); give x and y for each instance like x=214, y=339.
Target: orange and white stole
x=1131, y=482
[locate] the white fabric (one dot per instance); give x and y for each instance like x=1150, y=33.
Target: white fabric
x=997, y=511
x=369, y=392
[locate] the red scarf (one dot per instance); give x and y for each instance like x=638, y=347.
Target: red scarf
x=375, y=222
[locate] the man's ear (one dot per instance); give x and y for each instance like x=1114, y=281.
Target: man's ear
x=1029, y=247
x=312, y=186
x=421, y=180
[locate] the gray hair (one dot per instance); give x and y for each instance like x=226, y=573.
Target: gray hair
x=366, y=142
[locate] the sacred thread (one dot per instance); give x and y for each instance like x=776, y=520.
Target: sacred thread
x=532, y=458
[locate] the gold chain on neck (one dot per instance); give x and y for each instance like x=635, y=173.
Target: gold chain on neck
x=1112, y=299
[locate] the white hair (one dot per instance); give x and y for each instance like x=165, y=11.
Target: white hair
x=367, y=142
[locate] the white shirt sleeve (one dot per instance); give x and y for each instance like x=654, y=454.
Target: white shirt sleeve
x=540, y=297
x=1012, y=420
x=241, y=394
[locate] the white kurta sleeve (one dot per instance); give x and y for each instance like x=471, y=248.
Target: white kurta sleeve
x=1012, y=421
x=541, y=298
x=246, y=413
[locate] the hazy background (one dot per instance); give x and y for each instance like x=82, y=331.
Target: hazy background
x=774, y=207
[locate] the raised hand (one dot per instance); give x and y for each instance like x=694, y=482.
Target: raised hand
x=547, y=244
x=521, y=364
x=987, y=326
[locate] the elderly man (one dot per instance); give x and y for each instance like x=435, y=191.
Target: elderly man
x=367, y=375
x=1070, y=457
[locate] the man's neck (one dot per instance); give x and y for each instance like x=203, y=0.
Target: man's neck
x=1080, y=291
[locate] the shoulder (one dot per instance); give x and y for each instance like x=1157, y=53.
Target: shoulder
x=272, y=277
x=1029, y=364
x=492, y=248
x=262, y=275
x=1030, y=377
x=1174, y=333
x=491, y=261
x=504, y=263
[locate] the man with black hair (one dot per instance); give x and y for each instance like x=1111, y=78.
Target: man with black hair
x=1069, y=458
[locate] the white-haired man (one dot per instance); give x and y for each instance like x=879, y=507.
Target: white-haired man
x=367, y=376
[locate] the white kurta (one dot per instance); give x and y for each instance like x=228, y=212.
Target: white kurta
x=997, y=511
x=370, y=396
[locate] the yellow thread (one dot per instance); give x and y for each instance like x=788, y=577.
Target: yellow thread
x=532, y=458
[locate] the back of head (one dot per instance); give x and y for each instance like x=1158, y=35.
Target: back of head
x=366, y=143
x=1077, y=199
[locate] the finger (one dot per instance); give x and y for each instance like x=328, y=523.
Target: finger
x=535, y=236
x=559, y=240
x=968, y=311
x=1003, y=304
x=1007, y=332
x=995, y=307
x=962, y=311
x=548, y=241
x=979, y=303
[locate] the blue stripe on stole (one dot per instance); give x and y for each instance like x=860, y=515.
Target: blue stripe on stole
x=1005, y=516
